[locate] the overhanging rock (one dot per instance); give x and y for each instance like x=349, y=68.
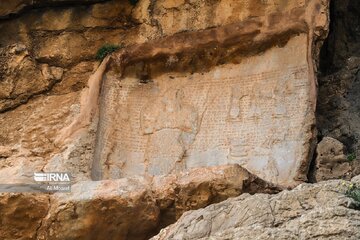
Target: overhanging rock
x=243, y=93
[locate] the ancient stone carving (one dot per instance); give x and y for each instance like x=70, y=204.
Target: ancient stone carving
x=262, y=118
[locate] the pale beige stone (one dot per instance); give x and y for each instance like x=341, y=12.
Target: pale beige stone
x=319, y=211
x=199, y=84
x=262, y=118
x=232, y=114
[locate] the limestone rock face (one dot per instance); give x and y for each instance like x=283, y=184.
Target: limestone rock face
x=22, y=77
x=331, y=162
x=319, y=211
x=128, y=208
x=237, y=87
x=22, y=215
x=46, y=57
x=232, y=105
x=204, y=100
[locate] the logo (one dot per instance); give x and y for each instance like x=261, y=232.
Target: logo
x=51, y=177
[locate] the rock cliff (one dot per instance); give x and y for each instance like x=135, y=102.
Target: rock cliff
x=159, y=110
x=202, y=101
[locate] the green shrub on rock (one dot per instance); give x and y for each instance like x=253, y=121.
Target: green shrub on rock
x=351, y=157
x=105, y=50
x=353, y=192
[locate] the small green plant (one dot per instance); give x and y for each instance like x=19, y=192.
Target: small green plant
x=105, y=50
x=353, y=192
x=351, y=157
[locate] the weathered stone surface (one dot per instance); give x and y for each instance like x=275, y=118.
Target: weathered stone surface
x=27, y=135
x=331, y=162
x=128, y=208
x=197, y=126
x=37, y=65
x=122, y=209
x=187, y=122
x=21, y=77
x=319, y=211
x=56, y=39
x=338, y=112
x=180, y=119
x=198, y=84
x=21, y=215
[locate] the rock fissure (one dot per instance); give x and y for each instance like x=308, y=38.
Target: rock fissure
x=12, y=9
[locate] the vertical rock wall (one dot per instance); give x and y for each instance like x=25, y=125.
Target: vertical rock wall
x=245, y=95
x=338, y=112
x=250, y=107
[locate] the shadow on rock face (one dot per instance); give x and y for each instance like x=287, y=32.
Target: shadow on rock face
x=338, y=109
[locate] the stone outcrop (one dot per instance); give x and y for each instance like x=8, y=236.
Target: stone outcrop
x=22, y=215
x=128, y=208
x=46, y=47
x=319, y=211
x=331, y=162
x=204, y=100
x=338, y=113
x=196, y=127
x=160, y=110
x=16, y=68
x=181, y=134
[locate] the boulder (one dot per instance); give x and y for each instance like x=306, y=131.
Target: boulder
x=128, y=208
x=331, y=162
x=310, y=211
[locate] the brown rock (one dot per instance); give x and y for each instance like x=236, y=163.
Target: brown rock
x=331, y=162
x=199, y=84
x=224, y=104
x=21, y=78
x=21, y=215
x=170, y=125
x=136, y=208
x=13, y=6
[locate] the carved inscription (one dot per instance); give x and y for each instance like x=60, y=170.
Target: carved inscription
x=231, y=114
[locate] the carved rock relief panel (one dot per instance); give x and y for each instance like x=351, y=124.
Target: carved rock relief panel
x=256, y=113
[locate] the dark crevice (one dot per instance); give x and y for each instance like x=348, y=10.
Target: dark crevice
x=47, y=4
x=325, y=53
x=344, y=36
x=338, y=111
x=312, y=169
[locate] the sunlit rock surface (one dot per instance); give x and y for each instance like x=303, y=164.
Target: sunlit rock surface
x=319, y=211
x=203, y=101
x=241, y=92
x=128, y=208
x=213, y=97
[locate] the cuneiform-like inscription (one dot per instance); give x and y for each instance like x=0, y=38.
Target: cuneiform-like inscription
x=252, y=114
